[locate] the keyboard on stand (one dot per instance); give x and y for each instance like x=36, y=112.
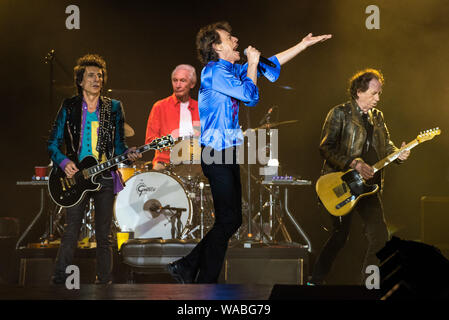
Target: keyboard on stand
x=286, y=180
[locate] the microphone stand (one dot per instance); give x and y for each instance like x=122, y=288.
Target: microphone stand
x=249, y=233
x=49, y=59
x=247, y=238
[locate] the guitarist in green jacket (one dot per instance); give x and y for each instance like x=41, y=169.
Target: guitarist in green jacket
x=89, y=125
x=355, y=136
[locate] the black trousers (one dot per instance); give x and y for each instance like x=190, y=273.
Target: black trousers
x=370, y=210
x=104, y=202
x=224, y=178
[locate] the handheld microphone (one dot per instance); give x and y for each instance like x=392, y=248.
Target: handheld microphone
x=263, y=60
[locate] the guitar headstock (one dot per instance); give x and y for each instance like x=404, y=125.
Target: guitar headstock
x=428, y=134
x=163, y=142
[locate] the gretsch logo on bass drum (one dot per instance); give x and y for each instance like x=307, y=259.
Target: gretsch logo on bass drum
x=142, y=187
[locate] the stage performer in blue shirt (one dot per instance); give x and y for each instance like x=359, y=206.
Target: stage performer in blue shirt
x=224, y=84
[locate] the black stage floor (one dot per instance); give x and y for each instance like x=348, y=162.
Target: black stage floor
x=188, y=301
x=188, y=292
x=140, y=292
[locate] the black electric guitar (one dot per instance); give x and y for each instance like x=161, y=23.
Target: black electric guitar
x=340, y=191
x=67, y=192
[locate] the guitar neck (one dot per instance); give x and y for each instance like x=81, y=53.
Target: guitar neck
x=389, y=159
x=119, y=159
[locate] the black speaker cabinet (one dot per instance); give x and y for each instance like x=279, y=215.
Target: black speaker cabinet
x=265, y=265
x=435, y=222
x=38, y=271
x=37, y=265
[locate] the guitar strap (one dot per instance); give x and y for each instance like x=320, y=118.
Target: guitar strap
x=105, y=127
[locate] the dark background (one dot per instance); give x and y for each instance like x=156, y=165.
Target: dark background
x=142, y=41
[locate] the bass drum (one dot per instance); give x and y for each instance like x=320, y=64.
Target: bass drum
x=142, y=206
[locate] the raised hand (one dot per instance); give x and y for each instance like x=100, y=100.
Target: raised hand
x=310, y=40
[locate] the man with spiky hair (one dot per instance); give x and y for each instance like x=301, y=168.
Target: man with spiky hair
x=355, y=136
x=89, y=124
x=224, y=84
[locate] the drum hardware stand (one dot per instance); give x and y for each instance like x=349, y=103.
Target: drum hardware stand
x=280, y=222
x=298, y=228
x=54, y=218
x=285, y=208
x=87, y=227
x=249, y=236
x=189, y=233
x=55, y=223
x=175, y=220
x=201, y=210
x=275, y=220
x=268, y=171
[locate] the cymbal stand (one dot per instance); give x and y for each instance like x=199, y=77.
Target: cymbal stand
x=270, y=170
x=263, y=237
x=201, y=185
x=248, y=237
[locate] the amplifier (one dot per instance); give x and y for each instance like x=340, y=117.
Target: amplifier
x=265, y=265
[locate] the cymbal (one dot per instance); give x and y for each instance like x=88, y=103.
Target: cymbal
x=129, y=132
x=271, y=125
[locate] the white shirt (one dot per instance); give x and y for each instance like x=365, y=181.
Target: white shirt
x=185, y=121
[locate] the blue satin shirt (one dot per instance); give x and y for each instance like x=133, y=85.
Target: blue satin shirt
x=223, y=86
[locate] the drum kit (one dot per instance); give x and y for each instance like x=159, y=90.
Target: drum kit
x=173, y=203
x=161, y=204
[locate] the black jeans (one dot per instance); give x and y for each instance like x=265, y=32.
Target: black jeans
x=370, y=210
x=208, y=255
x=104, y=202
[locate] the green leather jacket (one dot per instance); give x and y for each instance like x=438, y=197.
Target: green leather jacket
x=343, y=136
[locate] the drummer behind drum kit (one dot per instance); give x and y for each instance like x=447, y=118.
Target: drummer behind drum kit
x=175, y=203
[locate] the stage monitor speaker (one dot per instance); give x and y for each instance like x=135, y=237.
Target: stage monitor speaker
x=263, y=271
x=434, y=222
x=38, y=271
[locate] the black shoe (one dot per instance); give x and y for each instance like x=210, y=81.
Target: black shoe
x=180, y=273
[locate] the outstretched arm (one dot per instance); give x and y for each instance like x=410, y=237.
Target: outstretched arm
x=306, y=42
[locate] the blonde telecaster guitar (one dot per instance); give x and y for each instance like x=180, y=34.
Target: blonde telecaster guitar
x=340, y=191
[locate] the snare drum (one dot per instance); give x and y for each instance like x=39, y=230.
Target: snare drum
x=140, y=206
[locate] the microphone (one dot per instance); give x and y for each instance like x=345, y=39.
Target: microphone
x=267, y=115
x=263, y=59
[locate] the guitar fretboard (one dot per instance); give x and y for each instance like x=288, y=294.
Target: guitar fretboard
x=389, y=159
x=156, y=144
x=422, y=137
